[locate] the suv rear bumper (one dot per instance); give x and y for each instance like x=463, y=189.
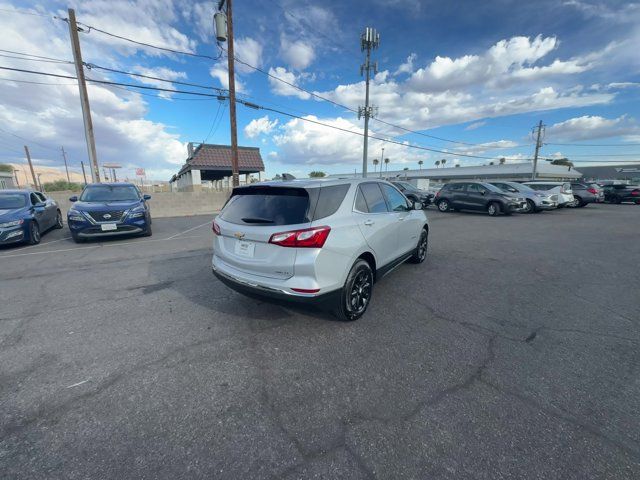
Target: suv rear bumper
x=253, y=289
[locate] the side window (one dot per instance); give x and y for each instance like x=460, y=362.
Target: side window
x=34, y=199
x=373, y=196
x=473, y=188
x=361, y=204
x=41, y=196
x=397, y=201
x=456, y=187
x=329, y=200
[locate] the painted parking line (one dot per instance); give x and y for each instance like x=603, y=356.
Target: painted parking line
x=100, y=245
x=189, y=230
x=41, y=244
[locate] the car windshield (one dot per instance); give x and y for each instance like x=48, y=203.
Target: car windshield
x=110, y=193
x=522, y=188
x=9, y=201
x=493, y=188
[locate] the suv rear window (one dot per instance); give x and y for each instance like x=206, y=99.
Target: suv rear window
x=267, y=206
x=370, y=195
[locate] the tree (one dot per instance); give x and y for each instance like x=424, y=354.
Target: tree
x=62, y=185
x=565, y=162
x=437, y=163
x=6, y=168
x=457, y=164
x=317, y=174
x=386, y=164
x=375, y=162
x=443, y=161
x=490, y=163
x=420, y=162
x=502, y=161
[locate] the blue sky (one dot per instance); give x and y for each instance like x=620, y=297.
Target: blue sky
x=482, y=73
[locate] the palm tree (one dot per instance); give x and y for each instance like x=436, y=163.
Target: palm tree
x=490, y=163
x=437, y=163
x=443, y=161
x=375, y=162
x=420, y=162
x=502, y=160
x=386, y=165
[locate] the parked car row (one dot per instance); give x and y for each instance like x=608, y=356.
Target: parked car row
x=25, y=215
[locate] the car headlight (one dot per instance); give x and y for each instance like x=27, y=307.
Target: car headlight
x=137, y=212
x=13, y=223
x=76, y=216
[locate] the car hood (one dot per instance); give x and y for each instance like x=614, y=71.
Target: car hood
x=105, y=206
x=7, y=215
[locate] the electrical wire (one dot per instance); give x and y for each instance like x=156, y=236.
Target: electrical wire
x=24, y=12
x=27, y=140
x=34, y=83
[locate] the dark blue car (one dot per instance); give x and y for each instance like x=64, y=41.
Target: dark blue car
x=106, y=209
x=25, y=215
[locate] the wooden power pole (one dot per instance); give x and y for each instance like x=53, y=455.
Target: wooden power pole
x=66, y=167
x=33, y=173
x=84, y=175
x=540, y=129
x=232, y=96
x=84, y=97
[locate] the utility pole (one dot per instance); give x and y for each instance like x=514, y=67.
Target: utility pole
x=381, y=161
x=84, y=175
x=369, y=40
x=539, y=137
x=15, y=172
x=222, y=36
x=84, y=97
x=41, y=188
x=66, y=167
x=33, y=173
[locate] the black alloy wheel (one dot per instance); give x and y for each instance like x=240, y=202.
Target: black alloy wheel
x=356, y=293
x=34, y=233
x=420, y=253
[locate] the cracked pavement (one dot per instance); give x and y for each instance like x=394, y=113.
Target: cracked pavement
x=512, y=352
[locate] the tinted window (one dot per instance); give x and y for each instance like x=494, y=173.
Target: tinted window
x=474, y=188
x=373, y=197
x=329, y=200
x=361, y=204
x=506, y=187
x=34, y=199
x=397, y=202
x=267, y=206
x=110, y=193
x=9, y=201
x=455, y=187
x=41, y=196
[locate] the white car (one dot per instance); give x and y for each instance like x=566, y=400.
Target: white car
x=561, y=189
x=317, y=241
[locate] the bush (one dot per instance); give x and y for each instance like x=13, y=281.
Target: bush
x=6, y=168
x=60, y=185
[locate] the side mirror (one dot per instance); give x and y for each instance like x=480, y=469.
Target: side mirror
x=147, y=197
x=73, y=199
x=39, y=207
x=483, y=192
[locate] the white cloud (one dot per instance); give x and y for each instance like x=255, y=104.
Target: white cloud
x=250, y=51
x=407, y=67
x=281, y=88
x=476, y=125
x=298, y=54
x=159, y=72
x=590, y=127
x=260, y=126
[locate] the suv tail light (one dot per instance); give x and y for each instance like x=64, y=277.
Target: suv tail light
x=215, y=228
x=635, y=193
x=592, y=190
x=306, y=238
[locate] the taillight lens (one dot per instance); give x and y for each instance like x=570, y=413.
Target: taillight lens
x=307, y=238
x=635, y=193
x=215, y=228
x=592, y=190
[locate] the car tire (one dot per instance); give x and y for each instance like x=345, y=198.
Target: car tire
x=577, y=202
x=420, y=253
x=352, y=304
x=493, y=209
x=531, y=206
x=617, y=200
x=59, y=221
x=34, y=233
x=147, y=232
x=444, y=205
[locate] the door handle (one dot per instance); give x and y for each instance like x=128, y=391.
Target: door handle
x=369, y=222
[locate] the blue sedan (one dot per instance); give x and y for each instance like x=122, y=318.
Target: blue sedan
x=25, y=215
x=106, y=209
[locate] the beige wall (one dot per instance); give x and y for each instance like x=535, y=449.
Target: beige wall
x=167, y=204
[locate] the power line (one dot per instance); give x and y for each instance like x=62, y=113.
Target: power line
x=33, y=83
x=35, y=56
x=24, y=12
x=594, y=144
x=26, y=139
x=33, y=59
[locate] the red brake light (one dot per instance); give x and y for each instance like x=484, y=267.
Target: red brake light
x=306, y=290
x=307, y=238
x=592, y=190
x=215, y=228
x=635, y=192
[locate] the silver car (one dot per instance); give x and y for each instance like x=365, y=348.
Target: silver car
x=561, y=189
x=317, y=241
x=536, y=201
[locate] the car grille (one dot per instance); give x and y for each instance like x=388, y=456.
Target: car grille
x=110, y=216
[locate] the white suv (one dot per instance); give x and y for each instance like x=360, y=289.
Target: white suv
x=561, y=189
x=317, y=241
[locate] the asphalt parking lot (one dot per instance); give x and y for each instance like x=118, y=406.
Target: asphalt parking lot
x=512, y=352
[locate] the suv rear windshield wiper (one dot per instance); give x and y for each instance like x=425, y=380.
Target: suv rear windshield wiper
x=256, y=220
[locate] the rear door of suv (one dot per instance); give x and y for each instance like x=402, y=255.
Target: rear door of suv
x=377, y=224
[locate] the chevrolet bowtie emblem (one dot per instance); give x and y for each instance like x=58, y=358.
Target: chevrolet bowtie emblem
x=239, y=235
